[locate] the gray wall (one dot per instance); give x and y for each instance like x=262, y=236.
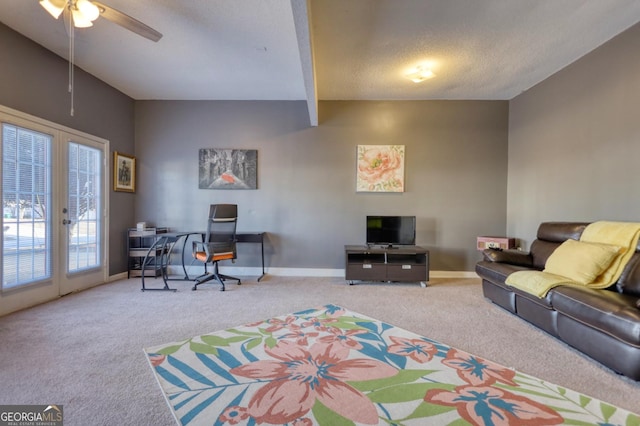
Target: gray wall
x=573, y=148
x=35, y=81
x=574, y=142
x=456, y=168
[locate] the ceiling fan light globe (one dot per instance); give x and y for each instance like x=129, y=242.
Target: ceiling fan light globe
x=79, y=21
x=54, y=7
x=89, y=10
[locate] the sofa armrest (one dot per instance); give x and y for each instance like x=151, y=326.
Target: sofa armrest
x=513, y=257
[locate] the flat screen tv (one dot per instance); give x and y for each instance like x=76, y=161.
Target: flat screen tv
x=391, y=230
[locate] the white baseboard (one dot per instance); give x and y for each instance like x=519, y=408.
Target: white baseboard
x=257, y=271
x=301, y=272
x=452, y=274
x=117, y=277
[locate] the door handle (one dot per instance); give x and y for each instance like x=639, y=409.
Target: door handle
x=66, y=222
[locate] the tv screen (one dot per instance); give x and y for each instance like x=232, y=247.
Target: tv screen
x=391, y=230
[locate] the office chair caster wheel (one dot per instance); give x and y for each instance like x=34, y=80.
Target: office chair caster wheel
x=194, y=288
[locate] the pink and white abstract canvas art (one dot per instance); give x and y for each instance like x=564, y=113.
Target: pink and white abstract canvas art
x=380, y=168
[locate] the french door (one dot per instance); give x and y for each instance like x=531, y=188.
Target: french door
x=54, y=210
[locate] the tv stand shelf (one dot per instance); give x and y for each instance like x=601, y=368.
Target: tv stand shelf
x=390, y=264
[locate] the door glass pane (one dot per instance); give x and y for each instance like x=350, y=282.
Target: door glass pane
x=26, y=197
x=83, y=207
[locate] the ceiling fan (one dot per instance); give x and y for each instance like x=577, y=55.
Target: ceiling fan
x=83, y=12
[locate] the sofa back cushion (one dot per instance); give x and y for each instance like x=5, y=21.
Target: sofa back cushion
x=540, y=252
x=559, y=232
x=550, y=236
x=629, y=281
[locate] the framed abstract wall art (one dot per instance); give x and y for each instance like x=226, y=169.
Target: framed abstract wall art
x=228, y=168
x=380, y=168
x=124, y=172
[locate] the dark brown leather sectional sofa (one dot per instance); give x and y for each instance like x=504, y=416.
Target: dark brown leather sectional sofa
x=603, y=324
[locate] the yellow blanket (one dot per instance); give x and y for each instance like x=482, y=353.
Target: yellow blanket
x=622, y=234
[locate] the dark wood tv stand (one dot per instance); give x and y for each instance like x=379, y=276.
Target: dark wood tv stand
x=390, y=264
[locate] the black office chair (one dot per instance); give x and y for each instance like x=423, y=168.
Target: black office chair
x=219, y=243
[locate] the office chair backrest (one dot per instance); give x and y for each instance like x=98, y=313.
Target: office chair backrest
x=221, y=226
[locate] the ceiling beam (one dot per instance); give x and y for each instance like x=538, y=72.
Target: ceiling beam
x=302, y=21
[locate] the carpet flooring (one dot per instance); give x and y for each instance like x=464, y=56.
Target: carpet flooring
x=84, y=351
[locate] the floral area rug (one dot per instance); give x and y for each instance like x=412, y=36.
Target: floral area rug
x=330, y=366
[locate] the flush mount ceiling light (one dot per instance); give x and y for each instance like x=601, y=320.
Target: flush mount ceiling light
x=420, y=74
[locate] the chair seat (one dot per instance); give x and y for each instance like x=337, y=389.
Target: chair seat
x=202, y=256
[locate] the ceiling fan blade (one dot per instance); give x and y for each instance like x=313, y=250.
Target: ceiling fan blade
x=127, y=22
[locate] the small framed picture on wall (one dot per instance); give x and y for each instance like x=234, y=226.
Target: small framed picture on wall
x=124, y=172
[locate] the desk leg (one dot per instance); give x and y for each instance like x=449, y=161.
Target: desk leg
x=184, y=268
x=165, y=256
x=162, y=242
x=262, y=252
x=185, y=239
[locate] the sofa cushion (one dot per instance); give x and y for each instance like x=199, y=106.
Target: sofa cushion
x=607, y=311
x=580, y=261
x=629, y=281
x=558, y=232
x=540, y=252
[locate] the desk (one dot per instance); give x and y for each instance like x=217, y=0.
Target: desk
x=168, y=240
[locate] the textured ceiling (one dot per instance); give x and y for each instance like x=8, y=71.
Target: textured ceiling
x=331, y=49
x=480, y=49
